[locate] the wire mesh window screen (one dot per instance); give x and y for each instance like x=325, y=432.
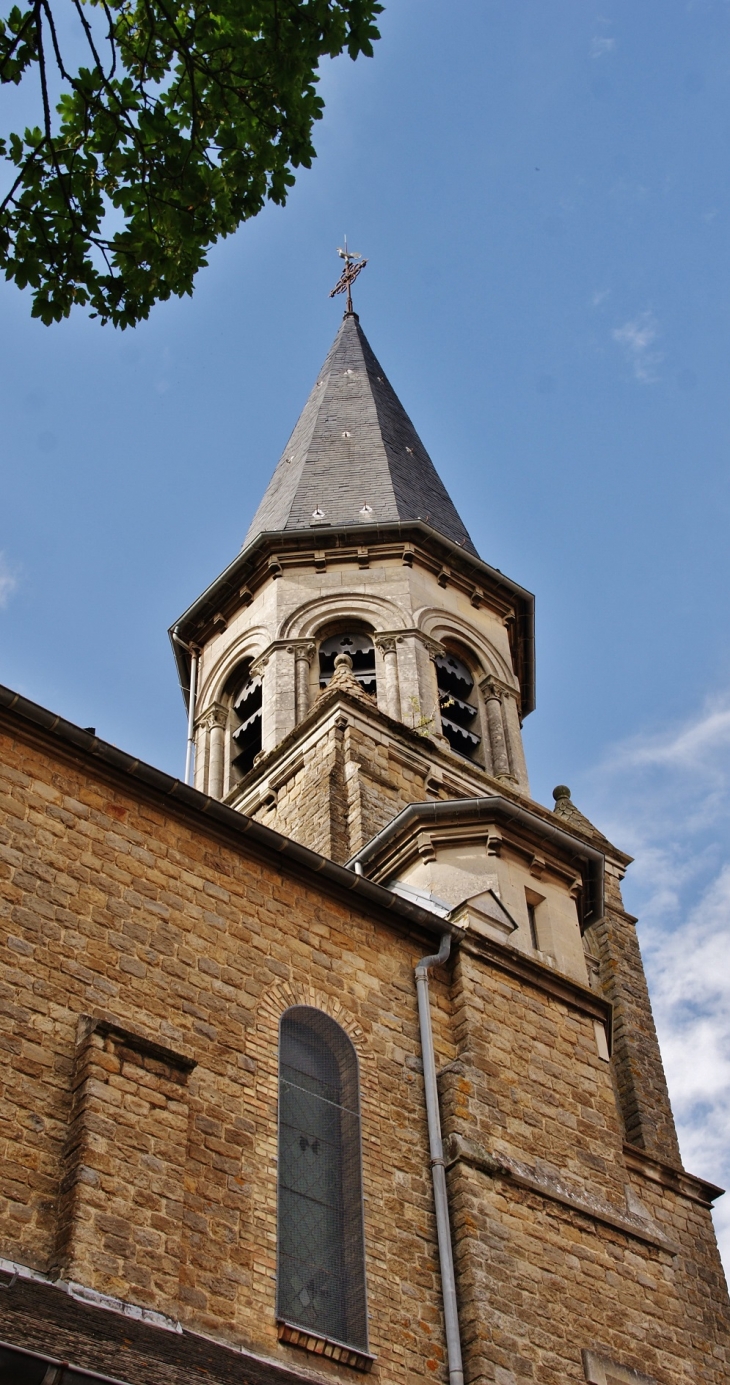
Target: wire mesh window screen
x=321, y=1279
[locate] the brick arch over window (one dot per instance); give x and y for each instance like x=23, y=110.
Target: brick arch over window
x=321, y=1254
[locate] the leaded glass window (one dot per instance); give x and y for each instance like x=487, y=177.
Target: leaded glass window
x=321, y=1272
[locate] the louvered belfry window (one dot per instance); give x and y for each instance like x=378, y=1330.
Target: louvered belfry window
x=459, y=716
x=321, y=1270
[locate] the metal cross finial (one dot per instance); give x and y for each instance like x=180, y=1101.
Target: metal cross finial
x=354, y=265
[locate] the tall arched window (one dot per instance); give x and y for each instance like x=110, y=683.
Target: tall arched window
x=360, y=649
x=321, y=1269
x=458, y=705
x=246, y=735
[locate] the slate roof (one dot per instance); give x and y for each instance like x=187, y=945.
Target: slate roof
x=355, y=446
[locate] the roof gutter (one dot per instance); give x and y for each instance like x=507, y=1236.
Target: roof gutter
x=477, y=809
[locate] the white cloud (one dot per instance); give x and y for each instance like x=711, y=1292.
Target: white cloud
x=666, y=798
x=8, y=581
x=601, y=46
x=600, y=297
x=637, y=337
x=693, y=746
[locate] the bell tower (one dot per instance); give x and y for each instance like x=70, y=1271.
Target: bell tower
x=358, y=655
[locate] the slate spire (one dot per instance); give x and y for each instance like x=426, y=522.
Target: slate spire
x=354, y=456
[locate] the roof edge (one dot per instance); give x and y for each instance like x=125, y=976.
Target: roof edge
x=477, y=809
x=206, y=809
x=225, y=583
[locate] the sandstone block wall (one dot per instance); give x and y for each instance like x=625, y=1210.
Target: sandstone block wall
x=113, y=909
x=121, y=1195
x=137, y=940
x=556, y=1239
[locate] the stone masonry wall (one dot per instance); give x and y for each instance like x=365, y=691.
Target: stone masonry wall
x=640, y=1080
x=612, y=944
x=120, y=1211
x=538, y=1275
x=354, y=774
x=113, y=909
x=136, y=941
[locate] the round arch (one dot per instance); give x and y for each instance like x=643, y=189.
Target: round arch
x=446, y=627
x=311, y=617
x=250, y=645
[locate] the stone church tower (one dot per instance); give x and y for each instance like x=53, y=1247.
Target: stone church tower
x=356, y=549
x=343, y=1060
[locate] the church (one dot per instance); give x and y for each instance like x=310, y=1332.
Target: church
x=339, y=1060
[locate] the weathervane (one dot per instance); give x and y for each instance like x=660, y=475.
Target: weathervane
x=354, y=264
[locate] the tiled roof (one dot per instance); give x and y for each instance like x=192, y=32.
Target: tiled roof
x=355, y=455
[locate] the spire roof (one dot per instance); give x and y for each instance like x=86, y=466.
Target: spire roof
x=354, y=455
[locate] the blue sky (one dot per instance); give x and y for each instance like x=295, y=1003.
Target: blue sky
x=542, y=192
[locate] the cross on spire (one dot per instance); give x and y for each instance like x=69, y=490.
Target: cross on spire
x=354, y=265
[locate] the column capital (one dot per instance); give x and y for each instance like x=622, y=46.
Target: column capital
x=433, y=647
x=386, y=641
x=258, y=664
x=492, y=686
x=302, y=649
x=215, y=715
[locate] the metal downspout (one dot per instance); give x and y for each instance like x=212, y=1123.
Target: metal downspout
x=194, y=654
x=438, y=1172
x=191, y=714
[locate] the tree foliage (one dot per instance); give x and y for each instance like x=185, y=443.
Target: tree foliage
x=188, y=116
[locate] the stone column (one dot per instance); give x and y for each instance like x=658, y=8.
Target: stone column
x=303, y=654
x=270, y=686
x=200, y=776
x=513, y=732
x=217, y=720
x=387, y=646
x=497, y=739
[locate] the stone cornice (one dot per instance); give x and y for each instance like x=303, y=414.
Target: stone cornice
x=458, y=1150
x=684, y=1184
x=527, y=830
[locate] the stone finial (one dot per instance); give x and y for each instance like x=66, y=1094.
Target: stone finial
x=566, y=809
x=344, y=678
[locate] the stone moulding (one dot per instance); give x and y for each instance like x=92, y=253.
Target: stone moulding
x=324, y=1346
x=273, y=552
x=684, y=1184
x=458, y=1150
x=138, y=1043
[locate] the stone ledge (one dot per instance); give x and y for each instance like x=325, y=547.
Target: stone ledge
x=657, y=1171
x=148, y=1047
x=324, y=1346
x=458, y=1149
